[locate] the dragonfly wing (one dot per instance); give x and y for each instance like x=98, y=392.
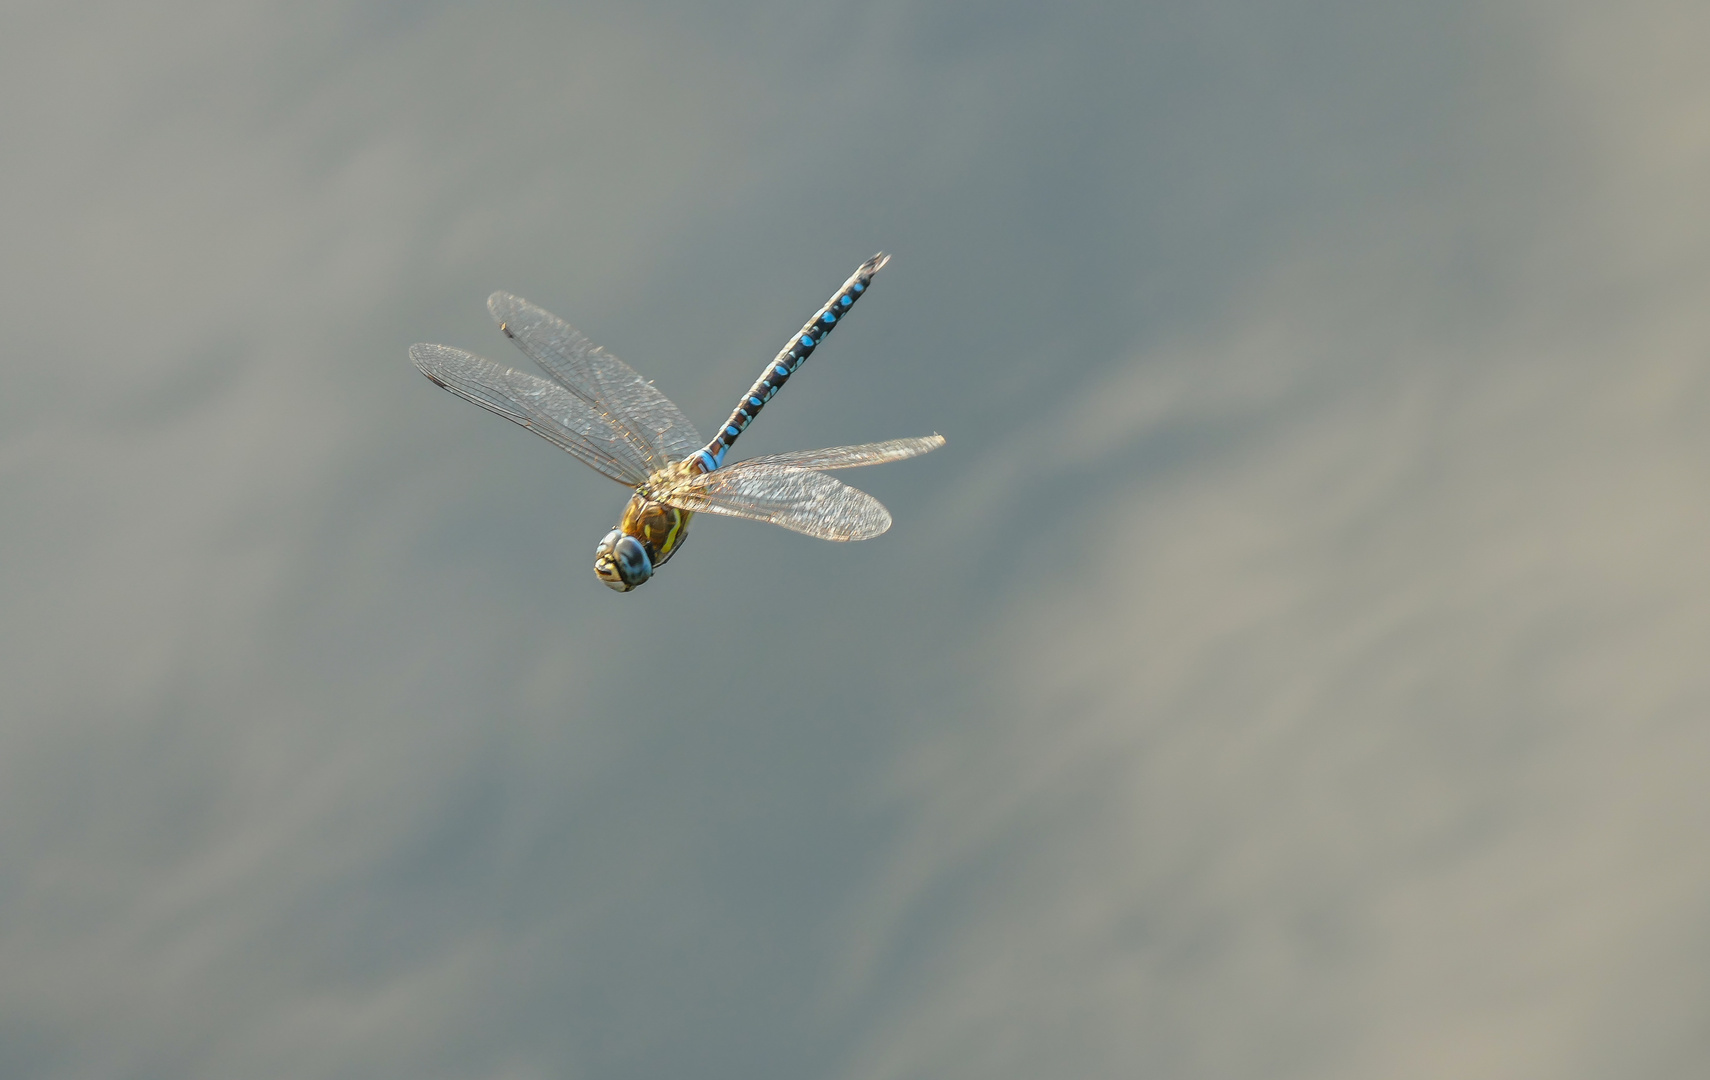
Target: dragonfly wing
x=800, y=499
x=654, y=426
x=850, y=457
x=545, y=408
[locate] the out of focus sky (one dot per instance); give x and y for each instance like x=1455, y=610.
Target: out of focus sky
x=1294, y=666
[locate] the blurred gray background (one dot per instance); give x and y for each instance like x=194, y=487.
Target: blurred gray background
x=1295, y=666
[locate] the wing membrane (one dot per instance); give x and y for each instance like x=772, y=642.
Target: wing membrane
x=547, y=409
x=800, y=499
x=654, y=430
x=850, y=457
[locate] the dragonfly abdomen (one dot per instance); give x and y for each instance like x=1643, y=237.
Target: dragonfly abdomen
x=787, y=361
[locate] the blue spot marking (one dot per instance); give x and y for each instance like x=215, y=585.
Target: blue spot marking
x=732, y=432
x=860, y=287
x=708, y=460
x=782, y=370
x=807, y=342
x=847, y=300
x=756, y=402
x=828, y=318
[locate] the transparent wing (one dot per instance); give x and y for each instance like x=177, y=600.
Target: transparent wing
x=656, y=430
x=545, y=408
x=801, y=499
x=850, y=457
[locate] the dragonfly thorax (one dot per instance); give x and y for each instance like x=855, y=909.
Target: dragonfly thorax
x=645, y=538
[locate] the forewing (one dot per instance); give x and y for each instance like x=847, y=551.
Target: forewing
x=850, y=457
x=800, y=499
x=545, y=408
x=655, y=427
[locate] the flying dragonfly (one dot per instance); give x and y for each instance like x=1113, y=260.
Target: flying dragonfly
x=610, y=418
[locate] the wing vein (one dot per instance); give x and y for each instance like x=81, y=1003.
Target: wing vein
x=543, y=407
x=802, y=500
x=653, y=431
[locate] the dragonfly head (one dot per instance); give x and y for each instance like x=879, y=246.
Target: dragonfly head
x=621, y=561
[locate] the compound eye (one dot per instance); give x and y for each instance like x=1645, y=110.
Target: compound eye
x=633, y=565
x=606, y=564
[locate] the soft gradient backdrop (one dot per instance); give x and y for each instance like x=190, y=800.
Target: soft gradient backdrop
x=1297, y=665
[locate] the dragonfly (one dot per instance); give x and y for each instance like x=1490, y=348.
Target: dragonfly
x=607, y=416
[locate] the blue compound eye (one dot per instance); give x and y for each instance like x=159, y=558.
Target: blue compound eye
x=633, y=565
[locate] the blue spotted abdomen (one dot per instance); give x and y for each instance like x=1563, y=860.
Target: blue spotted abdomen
x=780, y=369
